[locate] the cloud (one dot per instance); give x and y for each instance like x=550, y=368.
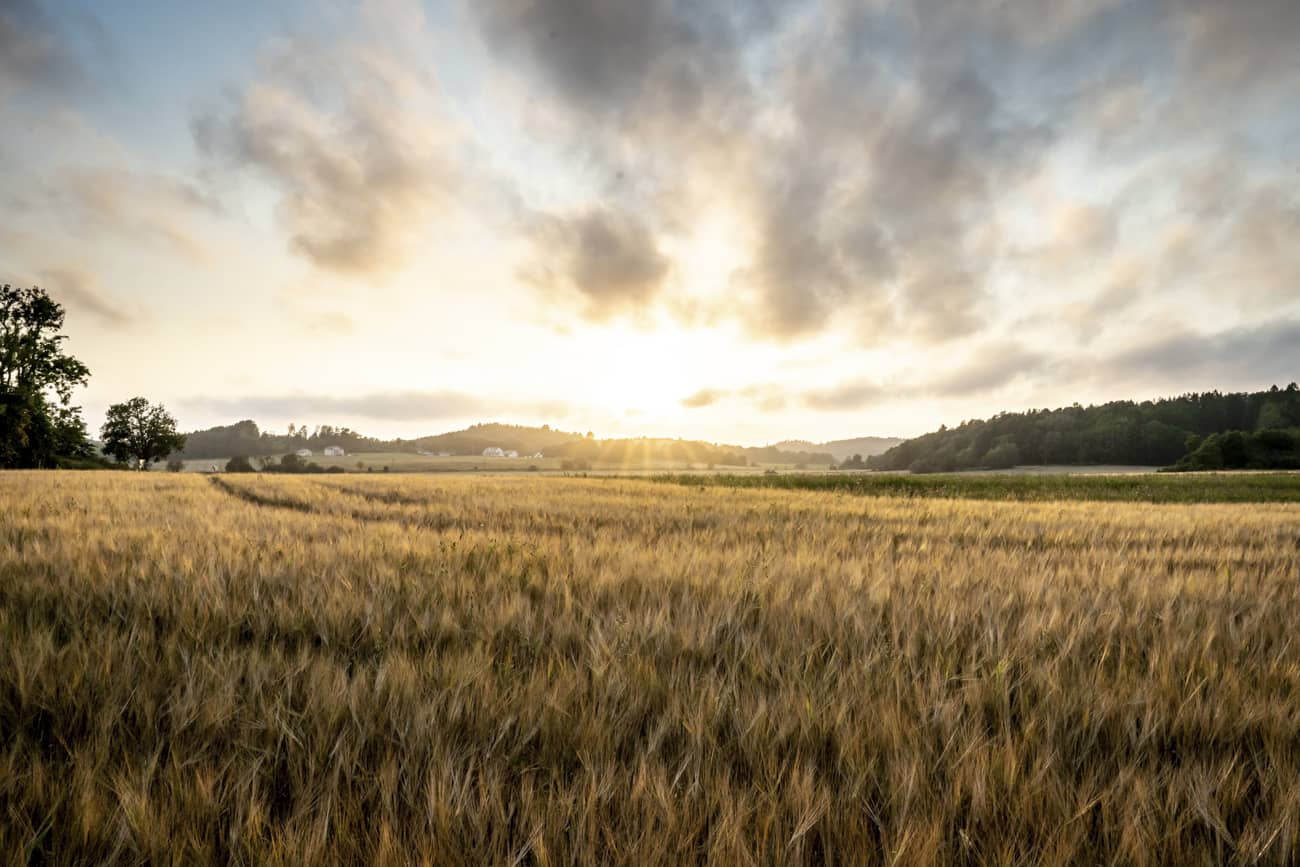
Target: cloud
x=354, y=138
x=848, y=396
x=390, y=406
x=882, y=157
x=1248, y=355
x=863, y=177
x=33, y=54
x=992, y=367
x=608, y=258
x=79, y=290
x=703, y=397
x=987, y=369
x=764, y=398
x=147, y=207
x=622, y=61
x=1242, y=44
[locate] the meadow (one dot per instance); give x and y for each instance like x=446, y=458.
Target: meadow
x=1135, y=487
x=519, y=670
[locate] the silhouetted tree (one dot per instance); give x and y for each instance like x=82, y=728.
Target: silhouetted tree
x=37, y=424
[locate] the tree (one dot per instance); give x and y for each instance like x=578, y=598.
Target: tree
x=1271, y=415
x=176, y=464
x=138, y=431
x=37, y=377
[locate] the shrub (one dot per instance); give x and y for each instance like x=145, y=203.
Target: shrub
x=239, y=464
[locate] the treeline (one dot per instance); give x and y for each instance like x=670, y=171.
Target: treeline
x=1269, y=449
x=245, y=438
x=1150, y=433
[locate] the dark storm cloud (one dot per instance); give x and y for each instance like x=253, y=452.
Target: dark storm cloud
x=608, y=258
x=381, y=406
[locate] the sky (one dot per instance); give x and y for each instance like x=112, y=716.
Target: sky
x=734, y=221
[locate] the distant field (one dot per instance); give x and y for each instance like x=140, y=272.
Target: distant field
x=405, y=462
x=1278, y=487
x=466, y=669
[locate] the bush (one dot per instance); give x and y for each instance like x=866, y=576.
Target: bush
x=175, y=465
x=239, y=464
x=94, y=462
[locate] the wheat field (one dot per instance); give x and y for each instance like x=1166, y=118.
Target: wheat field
x=468, y=670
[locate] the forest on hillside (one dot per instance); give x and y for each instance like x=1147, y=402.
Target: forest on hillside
x=245, y=438
x=1150, y=433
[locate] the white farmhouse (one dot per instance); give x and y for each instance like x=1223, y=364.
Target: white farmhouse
x=334, y=452
x=512, y=454
x=303, y=453
x=494, y=452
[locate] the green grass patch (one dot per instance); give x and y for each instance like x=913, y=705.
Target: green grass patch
x=1141, y=487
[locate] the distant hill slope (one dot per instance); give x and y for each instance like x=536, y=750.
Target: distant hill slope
x=1150, y=433
x=475, y=438
x=245, y=438
x=843, y=449
x=645, y=450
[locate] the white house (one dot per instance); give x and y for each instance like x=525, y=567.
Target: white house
x=512, y=454
x=303, y=453
x=494, y=452
x=334, y=452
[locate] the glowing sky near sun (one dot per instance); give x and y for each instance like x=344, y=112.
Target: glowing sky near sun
x=736, y=221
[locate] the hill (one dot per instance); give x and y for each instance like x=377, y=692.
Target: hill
x=475, y=438
x=245, y=438
x=843, y=449
x=647, y=450
x=1151, y=433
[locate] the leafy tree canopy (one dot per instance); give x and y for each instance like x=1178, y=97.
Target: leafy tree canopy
x=137, y=431
x=37, y=424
